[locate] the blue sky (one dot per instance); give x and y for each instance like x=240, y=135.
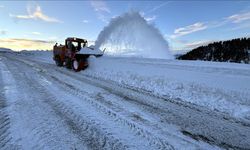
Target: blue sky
x=184, y=24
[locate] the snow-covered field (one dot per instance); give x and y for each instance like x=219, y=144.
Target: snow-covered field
x=218, y=86
x=123, y=103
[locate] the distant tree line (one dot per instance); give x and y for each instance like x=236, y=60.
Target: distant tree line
x=236, y=50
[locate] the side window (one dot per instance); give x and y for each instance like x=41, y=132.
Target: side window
x=79, y=46
x=66, y=44
x=84, y=44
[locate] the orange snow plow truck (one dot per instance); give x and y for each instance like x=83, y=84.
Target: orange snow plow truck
x=74, y=54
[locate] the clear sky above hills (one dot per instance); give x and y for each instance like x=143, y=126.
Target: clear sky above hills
x=184, y=24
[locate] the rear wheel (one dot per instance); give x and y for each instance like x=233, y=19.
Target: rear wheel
x=58, y=61
x=68, y=63
x=79, y=65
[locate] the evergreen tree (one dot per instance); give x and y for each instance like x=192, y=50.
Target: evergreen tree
x=235, y=50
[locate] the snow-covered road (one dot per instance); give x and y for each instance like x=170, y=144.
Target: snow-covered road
x=46, y=107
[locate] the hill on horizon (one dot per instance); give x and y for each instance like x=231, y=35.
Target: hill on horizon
x=5, y=49
x=235, y=50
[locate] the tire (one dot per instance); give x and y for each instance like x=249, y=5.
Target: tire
x=68, y=63
x=79, y=65
x=58, y=61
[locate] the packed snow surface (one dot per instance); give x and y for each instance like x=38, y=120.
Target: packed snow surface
x=131, y=35
x=122, y=103
x=216, y=85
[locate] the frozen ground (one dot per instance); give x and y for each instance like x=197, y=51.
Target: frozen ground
x=123, y=103
x=218, y=86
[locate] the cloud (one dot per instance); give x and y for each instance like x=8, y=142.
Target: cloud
x=12, y=40
x=199, y=26
x=28, y=44
x=100, y=6
x=238, y=18
x=188, y=29
x=149, y=19
x=36, y=15
x=36, y=33
x=239, y=21
x=216, y=24
x=85, y=21
x=1, y=6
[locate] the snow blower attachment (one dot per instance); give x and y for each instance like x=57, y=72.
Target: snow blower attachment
x=74, y=54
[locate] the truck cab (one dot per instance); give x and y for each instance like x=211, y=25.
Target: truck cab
x=75, y=44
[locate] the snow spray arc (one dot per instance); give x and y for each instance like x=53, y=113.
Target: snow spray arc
x=130, y=34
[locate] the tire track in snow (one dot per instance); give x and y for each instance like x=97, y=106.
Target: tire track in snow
x=149, y=106
x=85, y=128
x=226, y=131
x=39, y=129
x=152, y=139
x=194, y=129
x=105, y=84
x=5, y=137
x=211, y=136
x=4, y=129
x=117, y=110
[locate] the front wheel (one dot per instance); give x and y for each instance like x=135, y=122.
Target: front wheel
x=78, y=65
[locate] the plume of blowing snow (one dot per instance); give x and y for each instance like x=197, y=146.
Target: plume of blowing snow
x=131, y=35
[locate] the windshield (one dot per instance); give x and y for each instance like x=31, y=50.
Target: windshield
x=75, y=45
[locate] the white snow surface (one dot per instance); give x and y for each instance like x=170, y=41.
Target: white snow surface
x=218, y=86
x=122, y=103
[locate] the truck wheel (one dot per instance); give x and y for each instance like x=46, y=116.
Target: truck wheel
x=58, y=61
x=68, y=63
x=78, y=65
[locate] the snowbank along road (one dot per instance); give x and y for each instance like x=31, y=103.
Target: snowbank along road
x=47, y=107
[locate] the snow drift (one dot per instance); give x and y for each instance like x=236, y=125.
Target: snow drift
x=131, y=35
